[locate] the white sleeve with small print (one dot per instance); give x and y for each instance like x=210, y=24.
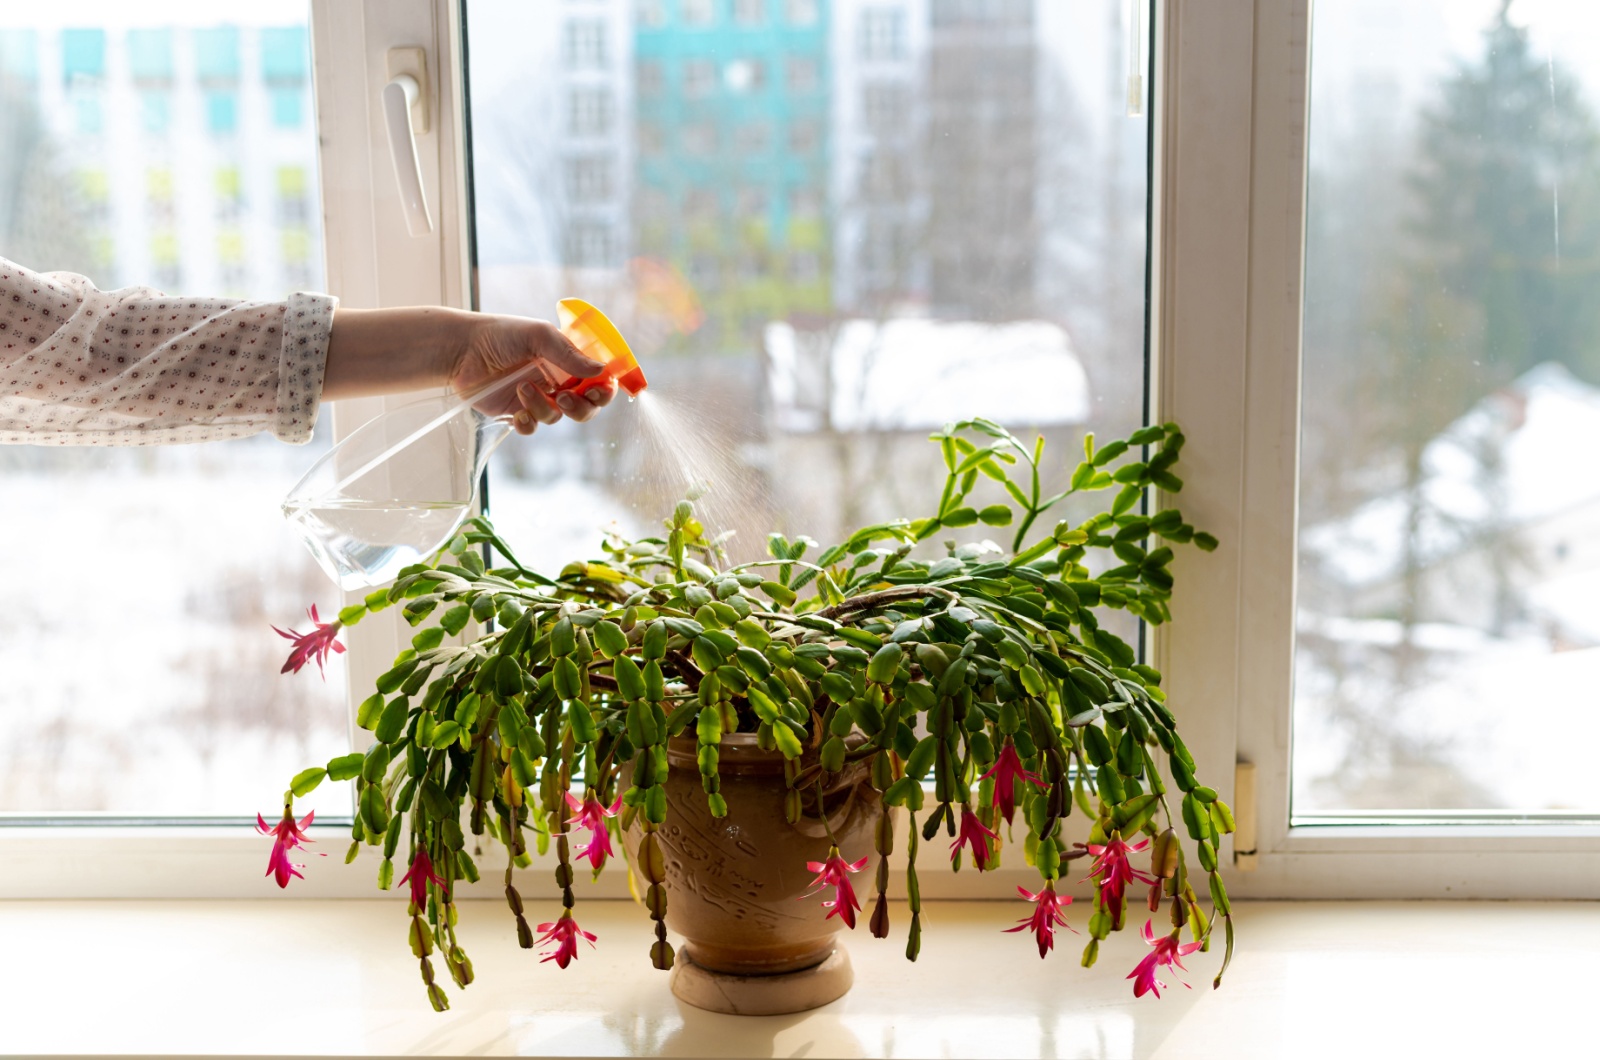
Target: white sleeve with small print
x=81, y=366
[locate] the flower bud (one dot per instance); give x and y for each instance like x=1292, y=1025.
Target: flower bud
x=880, y=918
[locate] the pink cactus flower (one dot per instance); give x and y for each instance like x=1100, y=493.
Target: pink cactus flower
x=592, y=814
x=564, y=933
x=288, y=836
x=314, y=645
x=973, y=834
x=1046, y=916
x=1164, y=951
x=1007, y=770
x=420, y=874
x=834, y=872
x=1111, y=865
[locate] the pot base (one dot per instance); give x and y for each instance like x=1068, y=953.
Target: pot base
x=761, y=995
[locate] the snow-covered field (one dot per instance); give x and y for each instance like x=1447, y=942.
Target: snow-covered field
x=139, y=592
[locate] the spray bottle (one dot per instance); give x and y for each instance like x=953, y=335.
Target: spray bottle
x=396, y=489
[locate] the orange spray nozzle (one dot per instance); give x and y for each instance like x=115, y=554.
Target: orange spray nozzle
x=599, y=340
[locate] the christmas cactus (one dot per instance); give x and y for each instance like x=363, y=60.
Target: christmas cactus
x=978, y=685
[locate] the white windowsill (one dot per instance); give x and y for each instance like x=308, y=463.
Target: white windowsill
x=309, y=978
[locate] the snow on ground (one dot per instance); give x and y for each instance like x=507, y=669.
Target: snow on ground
x=139, y=592
x=1502, y=713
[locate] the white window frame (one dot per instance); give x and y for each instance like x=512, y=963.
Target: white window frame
x=372, y=262
x=1232, y=107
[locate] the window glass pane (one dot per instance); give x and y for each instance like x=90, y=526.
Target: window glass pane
x=142, y=584
x=1448, y=646
x=824, y=233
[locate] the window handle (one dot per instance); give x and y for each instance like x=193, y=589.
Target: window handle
x=399, y=95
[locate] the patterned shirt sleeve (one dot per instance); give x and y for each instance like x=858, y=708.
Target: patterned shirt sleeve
x=80, y=366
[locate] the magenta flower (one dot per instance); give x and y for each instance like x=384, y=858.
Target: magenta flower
x=420, y=874
x=288, y=836
x=564, y=933
x=1111, y=865
x=314, y=645
x=834, y=873
x=1046, y=916
x=973, y=834
x=1164, y=951
x=592, y=814
x=1006, y=771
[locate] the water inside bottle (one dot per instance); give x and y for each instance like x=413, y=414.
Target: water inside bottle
x=363, y=514
x=361, y=543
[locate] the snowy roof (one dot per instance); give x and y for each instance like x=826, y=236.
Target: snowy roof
x=1506, y=463
x=916, y=374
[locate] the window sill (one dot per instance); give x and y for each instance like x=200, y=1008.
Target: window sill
x=263, y=977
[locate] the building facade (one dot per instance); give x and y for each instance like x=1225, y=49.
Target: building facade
x=184, y=158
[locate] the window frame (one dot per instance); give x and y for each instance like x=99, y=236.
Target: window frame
x=1226, y=242
x=372, y=262
x=1232, y=107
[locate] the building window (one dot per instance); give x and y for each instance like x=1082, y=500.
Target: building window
x=88, y=114
x=652, y=138
x=588, y=244
x=229, y=188
x=700, y=139
x=651, y=14
x=697, y=12
x=700, y=204
x=745, y=75
x=285, y=54
x=705, y=272
x=164, y=260
x=589, y=181
x=885, y=108
x=803, y=137
x=699, y=78
x=800, y=12
x=884, y=177
x=159, y=197
x=589, y=111
x=752, y=203
x=222, y=112
x=805, y=204
x=883, y=250
x=585, y=44
x=19, y=54
x=155, y=110
x=883, y=33
x=294, y=197
x=753, y=138
x=750, y=266
x=801, y=74
x=231, y=257
x=296, y=246
x=749, y=12
x=981, y=12
x=288, y=107
x=83, y=55
x=94, y=191
x=150, y=56
x=216, y=54
x=654, y=203
x=805, y=266
x=650, y=77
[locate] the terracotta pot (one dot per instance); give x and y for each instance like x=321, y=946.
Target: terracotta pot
x=735, y=885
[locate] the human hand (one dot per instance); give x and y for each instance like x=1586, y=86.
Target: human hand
x=498, y=345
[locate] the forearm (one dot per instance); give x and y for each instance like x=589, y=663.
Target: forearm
x=385, y=351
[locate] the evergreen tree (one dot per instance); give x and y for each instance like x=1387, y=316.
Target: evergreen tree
x=1508, y=214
